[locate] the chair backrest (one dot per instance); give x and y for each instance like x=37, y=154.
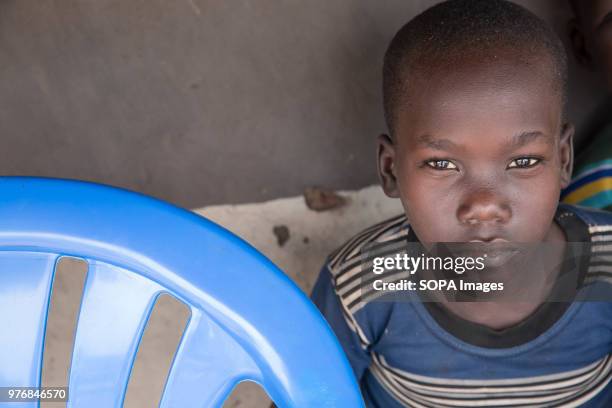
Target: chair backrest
x=248, y=320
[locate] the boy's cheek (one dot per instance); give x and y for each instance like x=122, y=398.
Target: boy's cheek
x=431, y=210
x=538, y=192
x=424, y=192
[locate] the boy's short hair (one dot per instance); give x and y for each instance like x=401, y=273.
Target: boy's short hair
x=455, y=28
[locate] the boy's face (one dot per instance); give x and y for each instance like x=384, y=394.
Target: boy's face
x=591, y=35
x=479, y=153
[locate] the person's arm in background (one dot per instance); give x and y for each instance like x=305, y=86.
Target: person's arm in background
x=589, y=34
x=591, y=185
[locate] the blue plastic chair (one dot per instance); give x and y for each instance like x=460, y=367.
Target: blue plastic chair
x=248, y=320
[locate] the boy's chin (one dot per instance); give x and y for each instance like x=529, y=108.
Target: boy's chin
x=501, y=258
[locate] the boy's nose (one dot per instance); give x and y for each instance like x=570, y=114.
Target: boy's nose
x=483, y=207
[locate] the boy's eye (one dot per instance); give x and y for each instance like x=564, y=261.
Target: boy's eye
x=523, y=162
x=441, y=164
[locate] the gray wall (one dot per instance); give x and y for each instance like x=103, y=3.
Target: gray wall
x=201, y=102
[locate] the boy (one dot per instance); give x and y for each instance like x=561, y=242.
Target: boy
x=591, y=36
x=477, y=151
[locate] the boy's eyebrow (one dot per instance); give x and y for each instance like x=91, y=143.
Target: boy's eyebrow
x=524, y=138
x=518, y=140
x=437, y=144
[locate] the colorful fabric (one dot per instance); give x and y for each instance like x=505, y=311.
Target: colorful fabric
x=592, y=182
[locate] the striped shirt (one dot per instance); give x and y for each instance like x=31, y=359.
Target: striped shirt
x=414, y=354
x=591, y=185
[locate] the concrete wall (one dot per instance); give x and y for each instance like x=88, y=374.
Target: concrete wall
x=204, y=102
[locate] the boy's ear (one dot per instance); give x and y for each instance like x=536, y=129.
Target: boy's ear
x=387, y=166
x=566, y=154
x=579, y=44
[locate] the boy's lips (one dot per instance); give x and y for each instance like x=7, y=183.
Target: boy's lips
x=489, y=240
x=496, y=251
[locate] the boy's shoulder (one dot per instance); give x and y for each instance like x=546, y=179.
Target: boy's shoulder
x=351, y=262
x=348, y=264
x=389, y=233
